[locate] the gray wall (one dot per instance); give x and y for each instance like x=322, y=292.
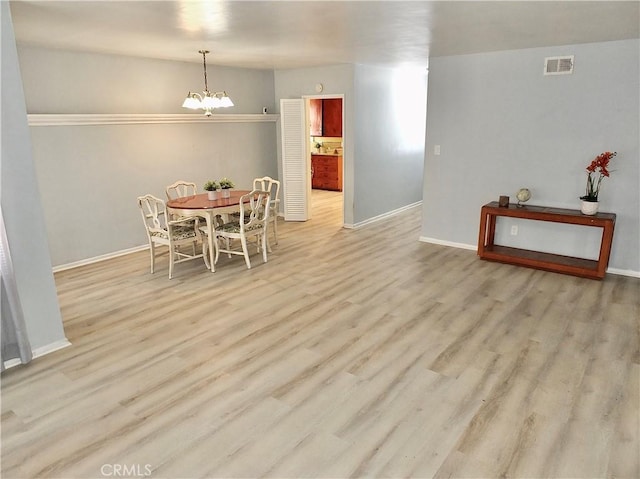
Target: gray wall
x=502, y=125
x=58, y=81
x=390, y=110
x=21, y=205
x=384, y=111
x=90, y=176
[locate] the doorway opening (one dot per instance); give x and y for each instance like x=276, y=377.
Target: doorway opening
x=325, y=153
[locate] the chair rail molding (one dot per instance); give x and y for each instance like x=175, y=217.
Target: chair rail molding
x=80, y=119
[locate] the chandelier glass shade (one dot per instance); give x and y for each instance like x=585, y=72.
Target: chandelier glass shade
x=207, y=101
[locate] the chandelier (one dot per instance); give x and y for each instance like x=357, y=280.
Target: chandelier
x=208, y=100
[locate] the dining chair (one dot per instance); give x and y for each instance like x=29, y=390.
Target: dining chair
x=181, y=188
x=172, y=233
x=251, y=224
x=267, y=183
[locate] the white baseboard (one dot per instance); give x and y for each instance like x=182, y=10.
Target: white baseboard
x=97, y=259
x=624, y=272
x=425, y=239
x=104, y=257
x=382, y=216
x=41, y=351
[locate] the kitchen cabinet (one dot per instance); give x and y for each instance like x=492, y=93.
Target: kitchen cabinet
x=315, y=117
x=326, y=172
x=325, y=117
x=332, y=117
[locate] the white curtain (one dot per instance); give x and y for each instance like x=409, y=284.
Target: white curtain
x=15, y=343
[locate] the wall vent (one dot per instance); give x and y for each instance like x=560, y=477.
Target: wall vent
x=558, y=65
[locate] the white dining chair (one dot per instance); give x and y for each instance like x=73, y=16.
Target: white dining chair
x=180, y=189
x=251, y=224
x=172, y=233
x=266, y=183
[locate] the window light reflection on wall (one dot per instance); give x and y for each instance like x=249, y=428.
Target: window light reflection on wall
x=409, y=103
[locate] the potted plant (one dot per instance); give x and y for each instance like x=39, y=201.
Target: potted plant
x=211, y=187
x=225, y=185
x=596, y=171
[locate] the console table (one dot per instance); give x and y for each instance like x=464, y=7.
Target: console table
x=547, y=261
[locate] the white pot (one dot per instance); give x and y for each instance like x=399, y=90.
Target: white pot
x=589, y=207
x=226, y=192
x=213, y=195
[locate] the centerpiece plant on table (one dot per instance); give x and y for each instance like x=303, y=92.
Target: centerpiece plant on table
x=211, y=187
x=225, y=185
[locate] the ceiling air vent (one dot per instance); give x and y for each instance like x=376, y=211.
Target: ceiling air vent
x=558, y=65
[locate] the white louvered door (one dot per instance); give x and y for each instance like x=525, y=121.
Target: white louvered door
x=295, y=168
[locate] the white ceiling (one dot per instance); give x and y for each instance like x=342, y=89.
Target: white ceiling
x=278, y=34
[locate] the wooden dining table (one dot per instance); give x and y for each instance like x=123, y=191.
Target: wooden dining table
x=201, y=206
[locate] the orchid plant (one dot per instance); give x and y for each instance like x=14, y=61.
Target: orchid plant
x=596, y=171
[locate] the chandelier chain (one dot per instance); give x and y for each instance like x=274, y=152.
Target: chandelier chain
x=204, y=63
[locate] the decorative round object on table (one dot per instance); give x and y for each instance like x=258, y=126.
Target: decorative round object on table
x=589, y=208
x=523, y=195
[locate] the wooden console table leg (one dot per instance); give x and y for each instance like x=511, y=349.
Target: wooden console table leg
x=483, y=241
x=492, y=230
x=605, y=248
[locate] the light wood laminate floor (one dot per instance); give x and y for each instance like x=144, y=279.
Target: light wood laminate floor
x=351, y=353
